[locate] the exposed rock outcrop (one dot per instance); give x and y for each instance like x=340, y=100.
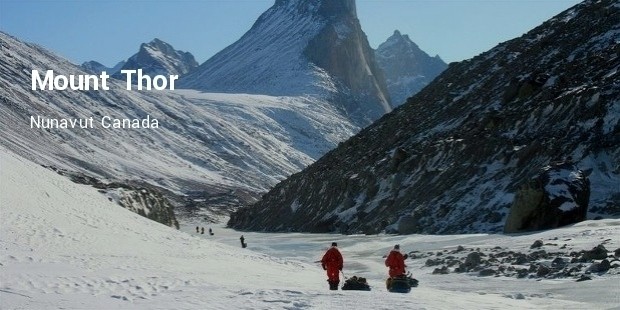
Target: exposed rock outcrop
x=558, y=196
x=144, y=200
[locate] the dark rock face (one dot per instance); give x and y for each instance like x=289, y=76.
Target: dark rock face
x=146, y=202
x=557, y=197
x=341, y=48
x=159, y=58
x=453, y=157
x=407, y=68
x=302, y=47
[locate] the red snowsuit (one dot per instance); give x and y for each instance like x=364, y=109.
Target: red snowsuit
x=332, y=262
x=396, y=262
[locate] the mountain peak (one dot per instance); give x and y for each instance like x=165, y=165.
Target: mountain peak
x=158, y=57
x=399, y=39
x=158, y=41
x=302, y=47
x=407, y=68
x=335, y=8
x=326, y=8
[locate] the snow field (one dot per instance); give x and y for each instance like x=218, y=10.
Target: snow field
x=65, y=245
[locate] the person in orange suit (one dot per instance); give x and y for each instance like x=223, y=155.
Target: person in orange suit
x=332, y=262
x=396, y=262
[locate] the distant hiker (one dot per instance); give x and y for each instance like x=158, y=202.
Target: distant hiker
x=210, y=232
x=202, y=231
x=332, y=262
x=197, y=229
x=396, y=262
x=243, y=244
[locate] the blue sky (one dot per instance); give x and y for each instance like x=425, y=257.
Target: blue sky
x=111, y=30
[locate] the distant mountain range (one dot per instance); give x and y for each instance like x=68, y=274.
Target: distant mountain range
x=333, y=61
x=154, y=58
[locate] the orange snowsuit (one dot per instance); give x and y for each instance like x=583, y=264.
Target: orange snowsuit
x=396, y=262
x=332, y=262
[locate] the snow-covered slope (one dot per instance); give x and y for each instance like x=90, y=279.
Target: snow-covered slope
x=451, y=159
x=64, y=245
x=159, y=58
x=301, y=47
x=407, y=68
x=229, y=144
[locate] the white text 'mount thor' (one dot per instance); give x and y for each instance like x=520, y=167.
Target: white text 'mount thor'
x=51, y=81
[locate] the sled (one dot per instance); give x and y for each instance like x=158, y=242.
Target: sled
x=401, y=284
x=356, y=284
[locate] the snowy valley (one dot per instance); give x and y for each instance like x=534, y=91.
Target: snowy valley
x=288, y=137
x=66, y=246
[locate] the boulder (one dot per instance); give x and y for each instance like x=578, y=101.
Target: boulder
x=603, y=266
x=558, y=196
x=598, y=252
x=442, y=270
x=536, y=244
x=473, y=260
x=487, y=272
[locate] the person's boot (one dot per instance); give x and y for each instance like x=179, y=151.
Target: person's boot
x=333, y=285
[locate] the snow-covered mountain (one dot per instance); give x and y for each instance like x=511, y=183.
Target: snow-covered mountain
x=407, y=68
x=216, y=147
x=302, y=47
x=66, y=246
x=158, y=57
x=95, y=67
x=452, y=158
